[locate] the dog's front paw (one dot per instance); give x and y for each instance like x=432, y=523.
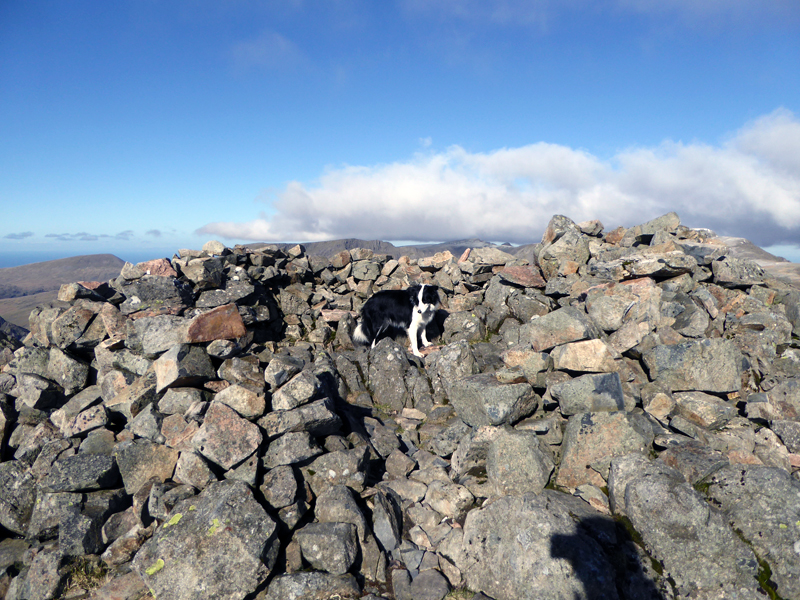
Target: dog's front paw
x=427, y=344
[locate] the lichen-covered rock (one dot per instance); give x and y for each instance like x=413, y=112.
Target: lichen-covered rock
x=763, y=504
x=692, y=540
x=219, y=544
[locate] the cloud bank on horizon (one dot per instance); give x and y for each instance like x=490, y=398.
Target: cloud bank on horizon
x=748, y=185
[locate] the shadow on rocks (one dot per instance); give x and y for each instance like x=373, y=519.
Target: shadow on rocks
x=635, y=574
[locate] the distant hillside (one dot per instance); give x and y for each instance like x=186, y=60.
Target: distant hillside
x=23, y=287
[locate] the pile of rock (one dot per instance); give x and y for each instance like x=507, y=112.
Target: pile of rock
x=615, y=416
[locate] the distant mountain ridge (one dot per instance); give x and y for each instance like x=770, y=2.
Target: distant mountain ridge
x=332, y=247
x=24, y=287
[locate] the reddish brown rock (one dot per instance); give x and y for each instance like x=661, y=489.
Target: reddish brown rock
x=159, y=266
x=114, y=321
x=221, y=323
x=525, y=276
x=178, y=433
x=226, y=438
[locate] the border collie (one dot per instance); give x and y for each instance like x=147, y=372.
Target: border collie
x=410, y=309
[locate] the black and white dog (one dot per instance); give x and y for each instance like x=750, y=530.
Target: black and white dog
x=410, y=309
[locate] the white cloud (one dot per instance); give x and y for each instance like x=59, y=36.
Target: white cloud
x=747, y=186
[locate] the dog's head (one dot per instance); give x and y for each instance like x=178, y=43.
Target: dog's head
x=425, y=298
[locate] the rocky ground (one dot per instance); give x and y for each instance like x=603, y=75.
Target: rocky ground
x=616, y=418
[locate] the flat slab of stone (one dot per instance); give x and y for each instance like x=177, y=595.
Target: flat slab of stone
x=591, y=440
x=530, y=547
x=302, y=586
x=81, y=472
x=590, y=393
x=763, y=503
x=139, y=460
x=225, y=438
x=219, y=544
x=709, y=365
x=568, y=324
x=221, y=323
x=483, y=400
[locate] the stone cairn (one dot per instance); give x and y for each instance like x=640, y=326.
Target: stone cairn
x=606, y=415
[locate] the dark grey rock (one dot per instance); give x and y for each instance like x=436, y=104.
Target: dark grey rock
x=81, y=472
x=154, y=292
x=183, y=365
x=429, y=585
x=80, y=533
x=147, y=424
x=48, y=511
x=141, y=459
x=387, y=520
x=44, y=576
x=337, y=505
x=280, y=487
x=291, y=448
x=388, y=364
x=219, y=544
x=280, y=369
x=329, y=547
x=789, y=432
x=317, y=418
x=67, y=371
x=483, y=400
x=233, y=292
x=312, y=586
x=70, y=325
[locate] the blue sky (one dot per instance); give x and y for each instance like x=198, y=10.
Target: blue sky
x=142, y=127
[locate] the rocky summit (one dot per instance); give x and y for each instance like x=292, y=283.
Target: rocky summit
x=613, y=415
